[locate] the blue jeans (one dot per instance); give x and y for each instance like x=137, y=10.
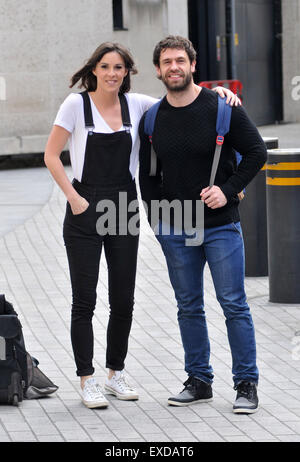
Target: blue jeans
x=223, y=250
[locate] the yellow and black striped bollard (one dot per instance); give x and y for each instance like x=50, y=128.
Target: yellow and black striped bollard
x=283, y=220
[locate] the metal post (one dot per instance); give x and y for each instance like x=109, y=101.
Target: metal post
x=283, y=218
x=253, y=214
x=232, y=40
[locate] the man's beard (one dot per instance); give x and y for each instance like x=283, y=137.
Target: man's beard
x=175, y=87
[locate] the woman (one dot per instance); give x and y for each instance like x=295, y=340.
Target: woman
x=101, y=125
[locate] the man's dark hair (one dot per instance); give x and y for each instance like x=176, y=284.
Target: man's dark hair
x=174, y=41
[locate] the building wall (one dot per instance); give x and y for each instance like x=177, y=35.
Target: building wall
x=291, y=59
x=43, y=42
x=148, y=22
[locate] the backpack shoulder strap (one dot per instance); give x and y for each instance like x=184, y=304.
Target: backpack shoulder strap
x=150, y=118
x=222, y=127
x=149, y=123
x=223, y=117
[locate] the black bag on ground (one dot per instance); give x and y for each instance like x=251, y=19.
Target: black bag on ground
x=38, y=384
x=20, y=378
x=11, y=382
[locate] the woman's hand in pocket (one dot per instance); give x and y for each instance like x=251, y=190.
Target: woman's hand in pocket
x=78, y=205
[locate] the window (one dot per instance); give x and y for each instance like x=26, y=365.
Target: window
x=118, y=15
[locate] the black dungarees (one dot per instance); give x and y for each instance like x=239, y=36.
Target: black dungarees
x=105, y=175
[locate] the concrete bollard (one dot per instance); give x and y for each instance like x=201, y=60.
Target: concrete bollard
x=283, y=218
x=253, y=214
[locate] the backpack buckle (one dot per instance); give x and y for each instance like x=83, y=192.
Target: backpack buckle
x=220, y=140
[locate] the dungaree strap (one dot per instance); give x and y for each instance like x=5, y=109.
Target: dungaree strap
x=125, y=113
x=88, y=117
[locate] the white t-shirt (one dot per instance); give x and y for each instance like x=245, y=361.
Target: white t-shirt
x=71, y=117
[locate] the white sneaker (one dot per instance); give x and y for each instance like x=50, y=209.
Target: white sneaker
x=91, y=394
x=118, y=386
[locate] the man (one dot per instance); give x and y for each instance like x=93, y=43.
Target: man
x=184, y=140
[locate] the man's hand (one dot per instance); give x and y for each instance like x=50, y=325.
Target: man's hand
x=213, y=197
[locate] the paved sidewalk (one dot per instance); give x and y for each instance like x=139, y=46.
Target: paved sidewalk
x=34, y=277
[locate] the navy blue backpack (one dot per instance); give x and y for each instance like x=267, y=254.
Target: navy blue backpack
x=222, y=127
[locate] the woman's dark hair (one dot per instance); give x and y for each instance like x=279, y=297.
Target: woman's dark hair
x=174, y=41
x=89, y=80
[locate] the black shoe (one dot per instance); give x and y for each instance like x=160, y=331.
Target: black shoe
x=195, y=391
x=246, y=399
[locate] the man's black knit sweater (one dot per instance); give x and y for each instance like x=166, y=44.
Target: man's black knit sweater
x=184, y=140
